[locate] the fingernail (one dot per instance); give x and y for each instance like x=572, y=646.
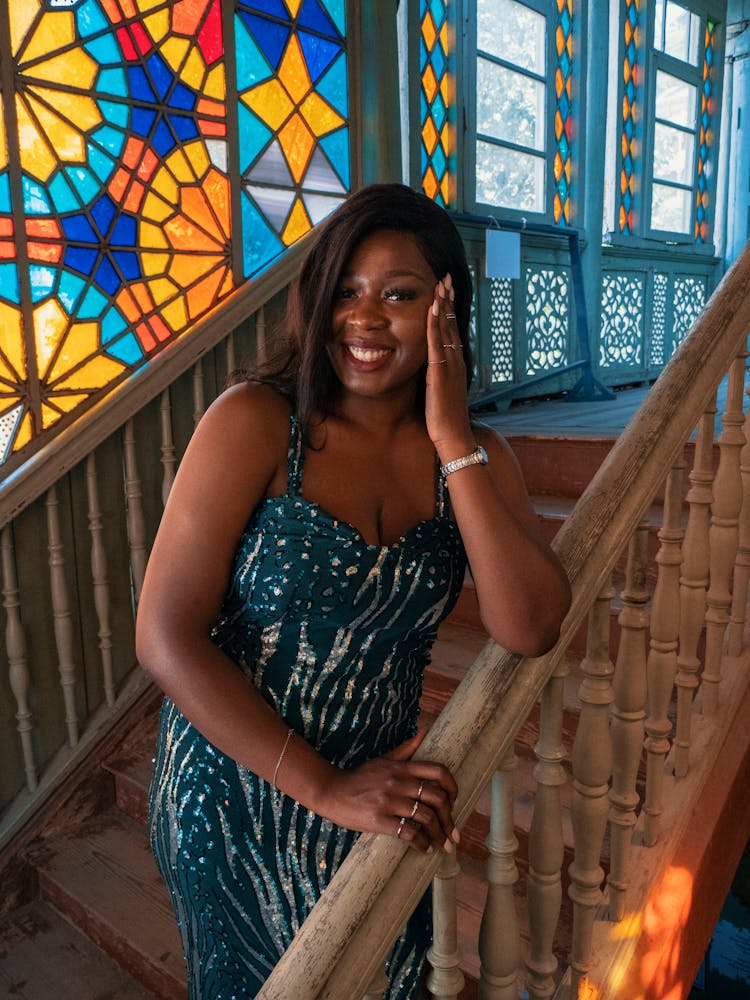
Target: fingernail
x=451, y=295
x=441, y=289
x=448, y=845
x=448, y=281
x=430, y=849
x=435, y=308
x=455, y=835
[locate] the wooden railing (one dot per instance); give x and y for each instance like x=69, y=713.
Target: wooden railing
x=76, y=524
x=701, y=583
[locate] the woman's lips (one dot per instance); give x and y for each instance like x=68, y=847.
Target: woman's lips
x=367, y=355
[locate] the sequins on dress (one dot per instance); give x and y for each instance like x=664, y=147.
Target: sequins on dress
x=335, y=634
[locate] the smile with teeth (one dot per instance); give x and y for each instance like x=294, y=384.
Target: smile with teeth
x=367, y=354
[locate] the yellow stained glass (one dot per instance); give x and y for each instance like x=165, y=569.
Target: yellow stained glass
x=71, y=68
x=194, y=70
x=293, y=6
x=50, y=323
x=297, y=143
x=175, y=314
x=158, y=26
x=49, y=416
x=37, y=158
x=81, y=341
x=215, y=85
x=155, y=263
x=97, y=373
x=69, y=402
x=293, y=71
x=430, y=136
x=203, y=294
x=270, y=102
x=297, y=225
x=3, y=137
x=320, y=116
x=86, y=114
x=173, y=51
x=163, y=289
x=24, y=432
x=429, y=32
x=196, y=154
x=430, y=84
x=21, y=18
x=12, y=338
x=156, y=208
x=66, y=140
x=55, y=30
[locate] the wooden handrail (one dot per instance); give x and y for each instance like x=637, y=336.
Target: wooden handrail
x=349, y=932
x=77, y=440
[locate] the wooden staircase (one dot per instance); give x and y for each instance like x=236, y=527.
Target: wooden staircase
x=95, y=919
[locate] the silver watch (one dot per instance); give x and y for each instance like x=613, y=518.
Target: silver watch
x=478, y=457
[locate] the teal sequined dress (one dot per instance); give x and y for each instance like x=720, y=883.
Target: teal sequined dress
x=335, y=634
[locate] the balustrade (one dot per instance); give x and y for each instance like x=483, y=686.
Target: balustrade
x=99, y=579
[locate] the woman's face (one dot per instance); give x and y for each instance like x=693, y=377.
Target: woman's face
x=378, y=346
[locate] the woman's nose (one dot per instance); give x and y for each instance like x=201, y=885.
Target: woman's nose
x=365, y=311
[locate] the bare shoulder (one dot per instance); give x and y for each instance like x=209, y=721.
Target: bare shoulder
x=494, y=444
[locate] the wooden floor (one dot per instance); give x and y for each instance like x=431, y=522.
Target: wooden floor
x=560, y=418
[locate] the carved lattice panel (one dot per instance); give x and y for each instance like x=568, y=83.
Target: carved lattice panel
x=659, y=319
x=473, y=324
x=621, y=336
x=501, y=329
x=689, y=299
x=548, y=293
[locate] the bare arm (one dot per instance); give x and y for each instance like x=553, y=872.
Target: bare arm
x=237, y=457
x=521, y=587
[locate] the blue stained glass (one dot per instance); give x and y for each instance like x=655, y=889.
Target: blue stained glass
x=438, y=61
x=42, y=281
x=90, y=19
x=80, y=259
x=424, y=55
x=439, y=111
x=424, y=159
x=182, y=97
x=259, y=243
x=77, y=228
x=127, y=264
x=565, y=21
x=630, y=90
x=311, y=16
x=184, y=127
x=270, y=36
x=564, y=106
x=140, y=88
x=565, y=63
x=336, y=147
x=252, y=66
x=4, y=193
x=333, y=87
x=438, y=161
x=161, y=75
x=111, y=139
x=70, y=290
x=337, y=13
x=114, y=112
x=254, y=135
x=101, y=164
x=162, y=138
x=319, y=53
x=125, y=231
x=9, y=282
x=562, y=187
x=563, y=146
x=113, y=322
x=35, y=200
x=106, y=276
x=127, y=349
x=424, y=108
x=273, y=7
x=104, y=50
x=103, y=212
x=143, y=120
x=93, y=305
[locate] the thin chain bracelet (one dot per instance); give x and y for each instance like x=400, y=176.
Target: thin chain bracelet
x=289, y=735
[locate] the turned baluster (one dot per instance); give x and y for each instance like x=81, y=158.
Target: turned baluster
x=546, y=845
x=62, y=618
x=445, y=979
x=135, y=518
x=724, y=534
x=261, y=347
x=230, y=353
x=693, y=585
x=499, y=939
x=18, y=663
x=199, y=393
x=168, y=452
x=662, y=657
x=627, y=718
x=592, y=770
x=742, y=565
x=99, y=578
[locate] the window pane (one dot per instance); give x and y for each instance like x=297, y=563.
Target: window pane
x=673, y=154
x=670, y=208
x=508, y=178
x=681, y=33
x=509, y=105
x=512, y=32
x=675, y=100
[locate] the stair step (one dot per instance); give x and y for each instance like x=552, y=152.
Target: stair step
x=104, y=880
x=39, y=951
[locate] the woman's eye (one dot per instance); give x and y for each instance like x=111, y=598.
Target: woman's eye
x=399, y=294
x=344, y=293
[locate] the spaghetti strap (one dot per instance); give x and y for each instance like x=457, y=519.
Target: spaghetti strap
x=294, y=458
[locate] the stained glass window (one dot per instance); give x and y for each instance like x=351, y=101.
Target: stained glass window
x=437, y=106
x=631, y=69
x=702, y=229
x=121, y=156
x=563, y=109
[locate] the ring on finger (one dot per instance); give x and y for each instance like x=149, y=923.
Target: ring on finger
x=443, y=362
x=449, y=347
x=421, y=789
x=450, y=315
x=400, y=827
x=414, y=809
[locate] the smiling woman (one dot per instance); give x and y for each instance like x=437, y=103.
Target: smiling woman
x=308, y=552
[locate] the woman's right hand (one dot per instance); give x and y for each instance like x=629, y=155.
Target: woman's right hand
x=377, y=795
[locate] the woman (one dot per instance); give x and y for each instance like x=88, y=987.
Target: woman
x=307, y=554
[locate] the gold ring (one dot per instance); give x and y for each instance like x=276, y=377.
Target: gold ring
x=414, y=808
x=443, y=362
x=450, y=315
x=449, y=347
x=421, y=789
x=400, y=826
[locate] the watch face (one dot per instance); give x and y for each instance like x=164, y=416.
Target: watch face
x=481, y=456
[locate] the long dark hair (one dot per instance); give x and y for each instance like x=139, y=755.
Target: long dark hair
x=305, y=373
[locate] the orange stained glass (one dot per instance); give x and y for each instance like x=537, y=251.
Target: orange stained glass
x=297, y=142
x=293, y=72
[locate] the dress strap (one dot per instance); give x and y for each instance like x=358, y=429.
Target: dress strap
x=294, y=460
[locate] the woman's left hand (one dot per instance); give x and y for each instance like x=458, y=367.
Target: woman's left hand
x=446, y=407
